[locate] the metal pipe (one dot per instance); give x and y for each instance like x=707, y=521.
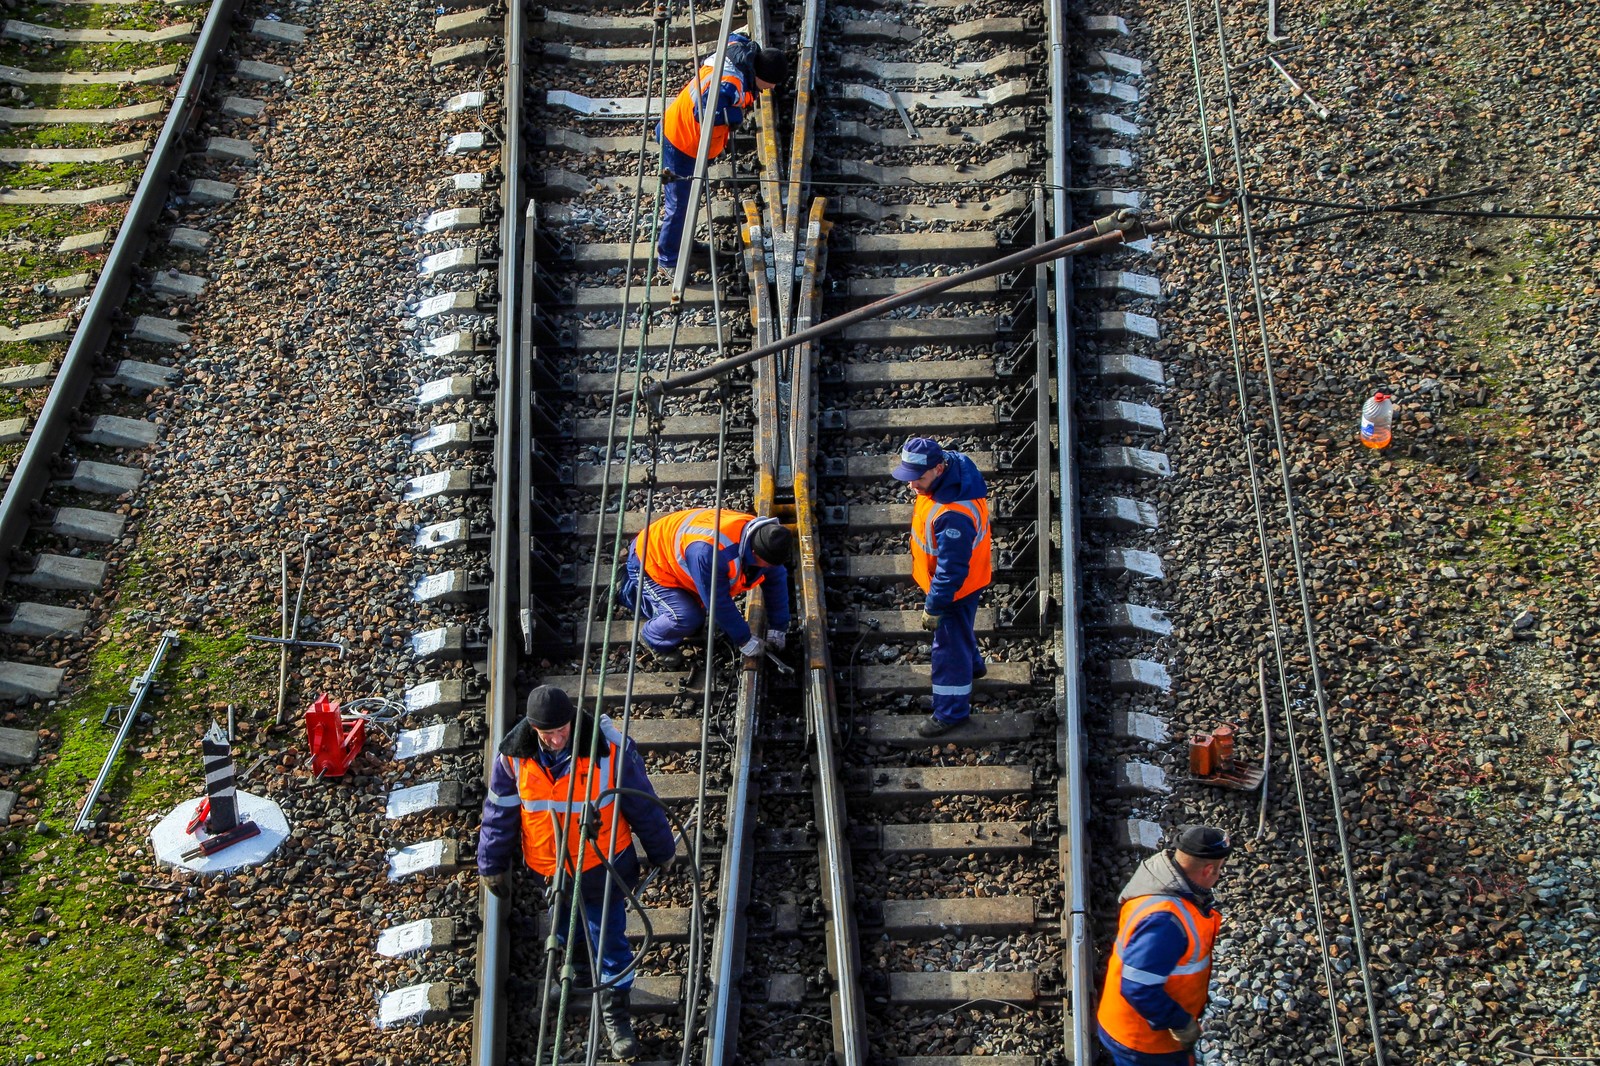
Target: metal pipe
x=62, y=407
x=139, y=689
x=1104, y=233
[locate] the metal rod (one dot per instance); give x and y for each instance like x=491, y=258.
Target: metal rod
x=1266, y=753
x=294, y=631
x=1104, y=233
x=139, y=689
x=230, y=723
x=290, y=642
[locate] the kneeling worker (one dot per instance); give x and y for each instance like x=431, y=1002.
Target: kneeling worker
x=1159, y=978
x=687, y=562
x=543, y=757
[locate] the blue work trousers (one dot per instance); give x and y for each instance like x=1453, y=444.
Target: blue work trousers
x=609, y=942
x=1125, y=1056
x=674, y=203
x=956, y=660
x=670, y=615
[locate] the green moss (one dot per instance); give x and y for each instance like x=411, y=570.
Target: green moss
x=147, y=16
x=77, y=57
x=93, y=96
x=70, y=176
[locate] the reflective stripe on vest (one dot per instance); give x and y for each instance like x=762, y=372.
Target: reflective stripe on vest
x=681, y=124
x=924, y=555
x=662, y=547
x=1188, y=984
x=547, y=812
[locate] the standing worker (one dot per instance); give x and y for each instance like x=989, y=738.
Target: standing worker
x=1160, y=973
x=685, y=563
x=950, y=560
x=543, y=768
x=747, y=70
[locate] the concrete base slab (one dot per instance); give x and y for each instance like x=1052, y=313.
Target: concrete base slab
x=14, y=430
x=1139, y=833
x=101, y=194
x=105, y=479
x=205, y=191
x=24, y=681
x=92, y=241
x=64, y=573
x=170, y=840
x=175, y=283
x=8, y=803
x=230, y=150
x=45, y=620
x=80, y=523
x=155, y=330
x=253, y=70
x=115, y=431
x=55, y=329
x=281, y=32
x=29, y=376
x=190, y=240
x=242, y=106
x=18, y=747
x=140, y=377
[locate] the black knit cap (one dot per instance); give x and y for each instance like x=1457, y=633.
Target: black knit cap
x=549, y=708
x=1204, y=842
x=770, y=64
x=771, y=543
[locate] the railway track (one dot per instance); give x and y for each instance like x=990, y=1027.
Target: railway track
x=904, y=884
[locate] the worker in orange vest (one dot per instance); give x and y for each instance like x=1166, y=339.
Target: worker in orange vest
x=950, y=561
x=688, y=562
x=545, y=788
x=1159, y=978
x=747, y=70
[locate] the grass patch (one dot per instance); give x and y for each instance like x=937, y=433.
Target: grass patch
x=74, y=58
x=93, y=97
x=108, y=970
x=71, y=176
x=71, y=135
x=147, y=16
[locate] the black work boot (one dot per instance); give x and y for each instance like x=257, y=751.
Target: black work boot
x=617, y=1016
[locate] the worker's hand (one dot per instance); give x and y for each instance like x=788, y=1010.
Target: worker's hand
x=666, y=866
x=777, y=638
x=495, y=883
x=1189, y=1034
x=930, y=621
x=751, y=647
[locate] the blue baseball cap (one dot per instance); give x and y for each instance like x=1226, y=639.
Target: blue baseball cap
x=917, y=456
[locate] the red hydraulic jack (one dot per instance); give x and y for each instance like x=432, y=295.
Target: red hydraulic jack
x=1212, y=762
x=335, y=743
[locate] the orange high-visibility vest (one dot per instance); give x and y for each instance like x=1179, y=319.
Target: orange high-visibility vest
x=1189, y=983
x=661, y=547
x=923, y=557
x=546, y=811
x=681, y=124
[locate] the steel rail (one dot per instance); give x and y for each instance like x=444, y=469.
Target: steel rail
x=838, y=880
x=738, y=856
x=1077, y=1015
x=506, y=559
x=64, y=404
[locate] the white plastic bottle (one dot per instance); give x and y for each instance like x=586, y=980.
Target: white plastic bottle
x=1376, y=414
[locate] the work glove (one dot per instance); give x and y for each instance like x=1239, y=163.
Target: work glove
x=930, y=621
x=667, y=865
x=751, y=646
x=1189, y=1034
x=495, y=883
x=777, y=638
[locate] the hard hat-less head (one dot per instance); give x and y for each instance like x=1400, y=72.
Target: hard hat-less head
x=771, y=543
x=917, y=456
x=1204, y=842
x=771, y=65
x=549, y=708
